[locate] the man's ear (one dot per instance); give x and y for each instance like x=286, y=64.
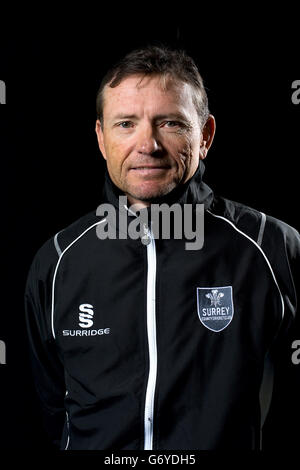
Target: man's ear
x=100, y=138
x=208, y=133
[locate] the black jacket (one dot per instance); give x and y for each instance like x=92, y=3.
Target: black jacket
x=139, y=346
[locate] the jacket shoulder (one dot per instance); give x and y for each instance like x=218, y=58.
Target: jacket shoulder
x=67, y=235
x=278, y=231
x=49, y=252
x=279, y=241
x=256, y=224
x=245, y=218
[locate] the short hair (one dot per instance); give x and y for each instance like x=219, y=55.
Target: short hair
x=157, y=60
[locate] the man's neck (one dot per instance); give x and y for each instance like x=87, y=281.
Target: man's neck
x=138, y=204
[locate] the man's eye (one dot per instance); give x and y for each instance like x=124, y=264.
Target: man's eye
x=172, y=123
x=125, y=124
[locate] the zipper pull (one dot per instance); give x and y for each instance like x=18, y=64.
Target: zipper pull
x=146, y=239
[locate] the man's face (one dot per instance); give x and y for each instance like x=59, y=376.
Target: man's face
x=151, y=136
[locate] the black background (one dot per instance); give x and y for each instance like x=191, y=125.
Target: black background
x=51, y=168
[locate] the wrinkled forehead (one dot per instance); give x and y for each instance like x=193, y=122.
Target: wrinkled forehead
x=136, y=88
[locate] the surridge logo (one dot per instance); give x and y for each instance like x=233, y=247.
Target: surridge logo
x=215, y=307
x=86, y=314
x=86, y=321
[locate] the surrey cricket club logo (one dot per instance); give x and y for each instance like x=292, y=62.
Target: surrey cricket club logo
x=215, y=307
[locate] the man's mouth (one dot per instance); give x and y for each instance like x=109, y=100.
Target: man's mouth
x=150, y=169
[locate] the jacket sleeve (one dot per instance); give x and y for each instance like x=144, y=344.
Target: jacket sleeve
x=47, y=368
x=281, y=243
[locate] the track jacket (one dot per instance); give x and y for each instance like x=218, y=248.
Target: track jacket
x=152, y=346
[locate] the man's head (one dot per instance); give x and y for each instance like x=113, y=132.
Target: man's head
x=153, y=123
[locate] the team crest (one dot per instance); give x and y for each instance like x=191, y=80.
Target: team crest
x=215, y=307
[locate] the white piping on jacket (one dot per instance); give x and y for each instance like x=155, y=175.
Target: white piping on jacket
x=259, y=248
x=56, y=268
x=68, y=426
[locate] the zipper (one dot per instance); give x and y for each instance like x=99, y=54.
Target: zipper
x=148, y=240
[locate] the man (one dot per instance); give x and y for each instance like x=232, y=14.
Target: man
x=151, y=345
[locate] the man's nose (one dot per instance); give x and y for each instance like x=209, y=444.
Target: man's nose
x=148, y=142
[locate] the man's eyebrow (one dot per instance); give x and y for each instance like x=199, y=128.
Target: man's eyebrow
x=125, y=116
x=156, y=117
x=171, y=116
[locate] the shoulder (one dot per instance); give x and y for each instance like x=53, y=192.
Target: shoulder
x=259, y=226
x=278, y=231
x=48, y=254
x=69, y=234
x=278, y=241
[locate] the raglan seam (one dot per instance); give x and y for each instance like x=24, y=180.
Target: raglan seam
x=261, y=229
x=260, y=249
x=56, y=244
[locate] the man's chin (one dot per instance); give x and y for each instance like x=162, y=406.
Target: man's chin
x=149, y=196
